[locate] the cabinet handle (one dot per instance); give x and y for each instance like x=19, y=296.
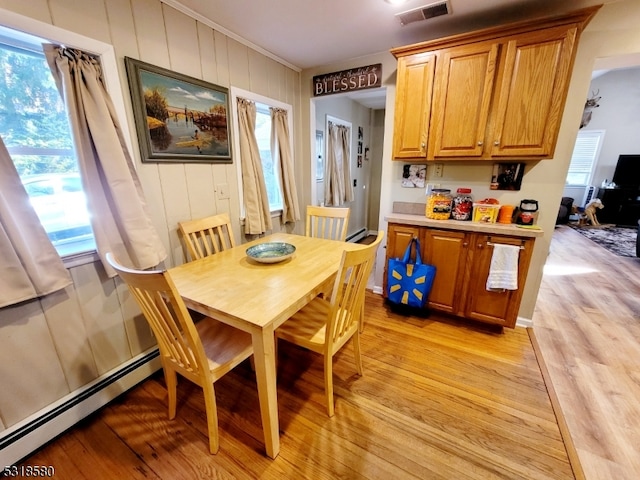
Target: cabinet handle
x=465, y=244
x=496, y=143
x=423, y=145
x=481, y=245
x=479, y=144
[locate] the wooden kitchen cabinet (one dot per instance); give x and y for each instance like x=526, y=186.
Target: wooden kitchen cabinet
x=447, y=250
x=499, y=307
x=413, y=105
x=462, y=96
x=497, y=94
x=398, y=238
x=462, y=260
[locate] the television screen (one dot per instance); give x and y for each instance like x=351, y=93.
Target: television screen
x=627, y=174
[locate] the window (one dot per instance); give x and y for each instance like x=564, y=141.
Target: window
x=584, y=157
x=269, y=168
x=35, y=128
x=263, y=136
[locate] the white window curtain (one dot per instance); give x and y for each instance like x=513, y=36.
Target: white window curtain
x=119, y=214
x=281, y=151
x=30, y=266
x=337, y=184
x=256, y=201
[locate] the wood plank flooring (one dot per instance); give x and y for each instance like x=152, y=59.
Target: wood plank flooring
x=587, y=324
x=440, y=399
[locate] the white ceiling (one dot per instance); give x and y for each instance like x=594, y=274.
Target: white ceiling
x=312, y=33
x=306, y=34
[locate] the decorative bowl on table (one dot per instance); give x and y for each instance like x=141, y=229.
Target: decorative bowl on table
x=271, y=252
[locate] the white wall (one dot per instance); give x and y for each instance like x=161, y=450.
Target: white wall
x=619, y=115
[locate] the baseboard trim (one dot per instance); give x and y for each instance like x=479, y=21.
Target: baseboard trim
x=524, y=322
x=22, y=439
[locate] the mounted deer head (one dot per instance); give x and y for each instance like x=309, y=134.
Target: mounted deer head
x=589, y=105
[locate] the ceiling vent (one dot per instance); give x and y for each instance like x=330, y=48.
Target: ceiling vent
x=424, y=13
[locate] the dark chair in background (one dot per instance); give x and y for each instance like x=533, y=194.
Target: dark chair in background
x=564, y=212
x=638, y=241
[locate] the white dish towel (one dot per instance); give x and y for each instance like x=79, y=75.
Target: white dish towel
x=503, y=271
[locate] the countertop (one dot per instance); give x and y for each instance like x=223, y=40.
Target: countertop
x=490, y=228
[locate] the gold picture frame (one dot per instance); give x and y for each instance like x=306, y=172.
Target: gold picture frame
x=178, y=118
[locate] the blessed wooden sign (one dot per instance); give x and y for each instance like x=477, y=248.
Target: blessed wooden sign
x=358, y=78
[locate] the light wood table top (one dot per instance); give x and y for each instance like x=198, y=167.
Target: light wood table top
x=257, y=298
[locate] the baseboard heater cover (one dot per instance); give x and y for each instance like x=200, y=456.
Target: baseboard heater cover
x=359, y=235
x=22, y=439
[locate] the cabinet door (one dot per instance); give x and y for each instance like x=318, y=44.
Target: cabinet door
x=532, y=93
x=499, y=307
x=398, y=237
x=414, y=87
x=462, y=97
x=447, y=251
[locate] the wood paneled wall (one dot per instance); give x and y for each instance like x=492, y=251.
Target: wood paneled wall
x=55, y=345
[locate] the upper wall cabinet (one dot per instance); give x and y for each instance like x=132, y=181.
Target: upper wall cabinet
x=494, y=94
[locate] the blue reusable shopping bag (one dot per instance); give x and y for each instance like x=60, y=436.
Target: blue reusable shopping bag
x=409, y=283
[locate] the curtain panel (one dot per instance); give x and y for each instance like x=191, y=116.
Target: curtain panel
x=119, y=213
x=30, y=266
x=337, y=184
x=256, y=201
x=281, y=150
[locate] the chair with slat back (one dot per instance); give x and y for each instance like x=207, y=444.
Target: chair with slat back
x=327, y=222
x=201, y=352
x=325, y=326
x=206, y=236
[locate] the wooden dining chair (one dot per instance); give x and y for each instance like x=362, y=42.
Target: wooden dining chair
x=325, y=325
x=327, y=222
x=206, y=236
x=201, y=352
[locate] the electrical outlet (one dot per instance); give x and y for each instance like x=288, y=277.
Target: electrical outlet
x=437, y=169
x=222, y=191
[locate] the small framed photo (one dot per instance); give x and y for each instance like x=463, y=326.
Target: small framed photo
x=507, y=176
x=178, y=118
x=413, y=176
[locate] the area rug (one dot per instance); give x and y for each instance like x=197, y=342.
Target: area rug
x=618, y=240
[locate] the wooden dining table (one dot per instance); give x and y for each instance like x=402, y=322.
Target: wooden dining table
x=258, y=297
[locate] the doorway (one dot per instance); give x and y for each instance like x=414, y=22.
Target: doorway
x=365, y=111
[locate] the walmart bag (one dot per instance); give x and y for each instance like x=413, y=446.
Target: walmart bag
x=409, y=283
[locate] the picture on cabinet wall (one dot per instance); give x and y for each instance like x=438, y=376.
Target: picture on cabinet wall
x=507, y=176
x=413, y=176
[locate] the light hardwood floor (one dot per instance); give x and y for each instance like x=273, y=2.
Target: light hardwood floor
x=587, y=324
x=439, y=399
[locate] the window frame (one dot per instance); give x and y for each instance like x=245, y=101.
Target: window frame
x=594, y=155
x=106, y=53
x=236, y=92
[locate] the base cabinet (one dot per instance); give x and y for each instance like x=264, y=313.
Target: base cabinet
x=462, y=261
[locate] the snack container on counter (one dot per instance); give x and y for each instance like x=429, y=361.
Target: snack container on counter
x=485, y=212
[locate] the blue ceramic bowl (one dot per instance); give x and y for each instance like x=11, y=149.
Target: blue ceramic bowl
x=271, y=252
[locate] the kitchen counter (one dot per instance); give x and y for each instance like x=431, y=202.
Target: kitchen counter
x=488, y=228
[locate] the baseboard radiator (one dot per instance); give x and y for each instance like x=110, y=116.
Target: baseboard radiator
x=356, y=237
x=22, y=439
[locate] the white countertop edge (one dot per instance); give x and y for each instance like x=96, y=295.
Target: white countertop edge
x=492, y=228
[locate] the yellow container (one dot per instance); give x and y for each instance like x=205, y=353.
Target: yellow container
x=439, y=204
x=485, y=213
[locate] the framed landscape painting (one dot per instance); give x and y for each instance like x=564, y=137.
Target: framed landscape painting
x=178, y=118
